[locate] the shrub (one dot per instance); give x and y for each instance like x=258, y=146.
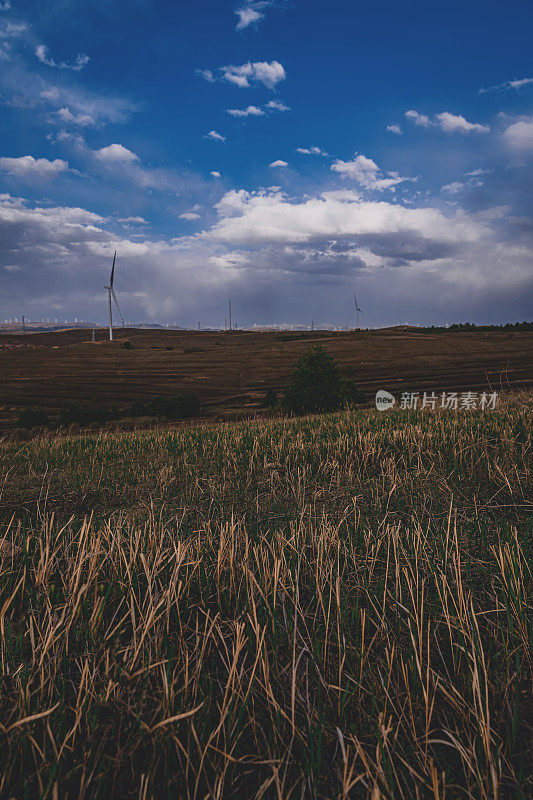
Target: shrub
x=160, y=407
x=315, y=383
x=179, y=407
x=67, y=413
x=139, y=409
x=270, y=400
x=188, y=404
x=127, y=344
x=291, y=337
x=33, y=418
x=87, y=414
x=351, y=394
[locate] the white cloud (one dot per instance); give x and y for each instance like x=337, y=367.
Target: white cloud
x=257, y=111
x=276, y=105
x=215, y=174
x=43, y=54
x=247, y=16
x=419, y=119
x=229, y=260
x=52, y=93
x=458, y=186
x=250, y=111
x=516, y=85
x=116, y=153
x=189, y=215
x=126, y=166
x=367, y=173
x=251, y=12
x=5, y=5
x=453, y=188
x=395, y=129
x=217, y=137
x=64, y=256
x=519, y=136
x=66, y=115
x=206, y=74
x=30, y=167
x=234, y=202
x=341, y=195
x=269, y=217
x=278, y=163
x=11, y=30
x=267, y=73
x=266, y=246
x=132, y=221
x=84, y=105
x=362, y=169
x=65, y=136
x=311, y=151
x=451, y=123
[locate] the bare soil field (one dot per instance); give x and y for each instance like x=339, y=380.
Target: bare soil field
x=231, y=371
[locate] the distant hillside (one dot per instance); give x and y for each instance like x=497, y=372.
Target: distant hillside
x=231, y=372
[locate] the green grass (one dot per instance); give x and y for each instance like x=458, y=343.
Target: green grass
x=328, y=607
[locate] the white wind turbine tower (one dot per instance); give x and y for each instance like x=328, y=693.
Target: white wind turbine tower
x=111, y=291
x=357, y=312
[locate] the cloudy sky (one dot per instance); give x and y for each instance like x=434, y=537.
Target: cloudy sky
x=279, y=152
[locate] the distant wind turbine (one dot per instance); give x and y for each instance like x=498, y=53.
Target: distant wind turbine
x=357, y=311
x=111, y=292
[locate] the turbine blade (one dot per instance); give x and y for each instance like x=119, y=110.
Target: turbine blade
x=117, y=305
x=113, y=269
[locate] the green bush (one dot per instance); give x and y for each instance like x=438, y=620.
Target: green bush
x=270, y=400
x=291, y=337
x=315, y=384
x=138, y=409
x=33, y=418
x=180, y=407
x=351, y=394
x=87, y=414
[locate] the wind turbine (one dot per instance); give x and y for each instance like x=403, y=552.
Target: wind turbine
x=111, y=292
x=357, y=312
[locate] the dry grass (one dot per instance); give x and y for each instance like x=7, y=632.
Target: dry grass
x=333, y=607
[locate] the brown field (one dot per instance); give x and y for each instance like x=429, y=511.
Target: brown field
x=230, y=372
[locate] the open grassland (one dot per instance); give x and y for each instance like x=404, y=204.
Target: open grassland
x=328, y=607
x=231, y=372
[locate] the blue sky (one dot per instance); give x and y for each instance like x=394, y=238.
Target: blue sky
x=281, y=153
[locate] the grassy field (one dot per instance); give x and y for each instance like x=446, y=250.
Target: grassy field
x=231, y=372
x=328, y=607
